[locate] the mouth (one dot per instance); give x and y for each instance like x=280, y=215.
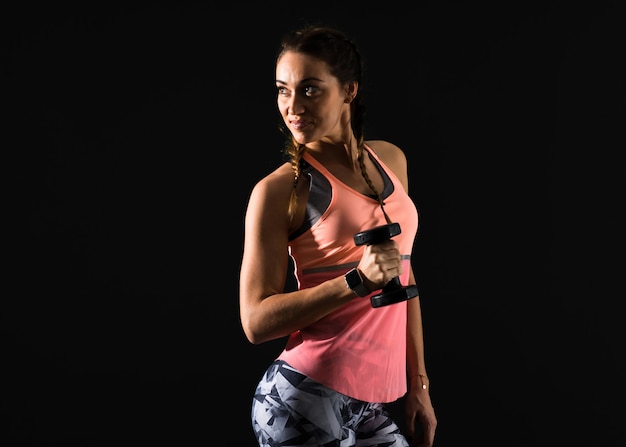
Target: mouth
x=299, y=124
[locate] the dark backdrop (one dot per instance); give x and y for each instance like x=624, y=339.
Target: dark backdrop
x=133, y=134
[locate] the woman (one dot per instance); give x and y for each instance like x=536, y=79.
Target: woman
x=344, y=358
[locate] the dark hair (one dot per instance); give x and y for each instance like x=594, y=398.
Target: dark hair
x=345, y=62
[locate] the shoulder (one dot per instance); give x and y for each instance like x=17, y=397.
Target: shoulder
x=267, y=212
x=392, y=156
x=382, y=147
x=274, y=186
x=268, y=201
x=388, y=152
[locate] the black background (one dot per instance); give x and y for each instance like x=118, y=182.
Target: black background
x=134, y=132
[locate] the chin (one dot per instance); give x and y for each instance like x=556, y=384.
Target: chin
x=302, y=138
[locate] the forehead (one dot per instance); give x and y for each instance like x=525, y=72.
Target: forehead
x=294, y=67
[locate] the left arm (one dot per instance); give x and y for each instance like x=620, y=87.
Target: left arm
x=418, y=407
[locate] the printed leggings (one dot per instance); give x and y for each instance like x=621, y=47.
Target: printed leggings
x=289, y=409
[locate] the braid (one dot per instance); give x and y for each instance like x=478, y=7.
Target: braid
x=294, y=151
x=358, y=128
x=370, y=183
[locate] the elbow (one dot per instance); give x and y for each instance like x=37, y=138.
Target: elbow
x=256, y=338
x=259, y=332
x=258, y=325
x=254, y=335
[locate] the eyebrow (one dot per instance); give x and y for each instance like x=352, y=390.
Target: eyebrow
x=278, y=81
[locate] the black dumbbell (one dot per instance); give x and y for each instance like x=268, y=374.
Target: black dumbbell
x=393, y=291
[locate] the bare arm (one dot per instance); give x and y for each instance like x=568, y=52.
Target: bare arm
x=266, y=311
x=419, y=408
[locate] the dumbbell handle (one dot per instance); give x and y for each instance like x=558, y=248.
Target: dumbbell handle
x=393, y=291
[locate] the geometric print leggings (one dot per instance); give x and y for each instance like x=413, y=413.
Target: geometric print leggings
x=291, y=410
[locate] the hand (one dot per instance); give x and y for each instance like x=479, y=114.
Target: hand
x=421, y=421
x=380, y=263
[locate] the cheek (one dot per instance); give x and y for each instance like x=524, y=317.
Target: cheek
x=282, y=107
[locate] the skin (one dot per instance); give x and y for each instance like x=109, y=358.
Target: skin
x=316, y=109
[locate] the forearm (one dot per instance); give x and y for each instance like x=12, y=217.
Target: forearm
x=280, y=314
x=416, y=365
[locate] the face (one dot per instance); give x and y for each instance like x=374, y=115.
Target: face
x=311, y=100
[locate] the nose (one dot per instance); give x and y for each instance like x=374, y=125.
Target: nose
x=295, y=105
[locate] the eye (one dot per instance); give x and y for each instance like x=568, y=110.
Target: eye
x=311, y=90
x=282, y=91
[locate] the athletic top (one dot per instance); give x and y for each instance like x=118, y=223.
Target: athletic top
x=357, y=350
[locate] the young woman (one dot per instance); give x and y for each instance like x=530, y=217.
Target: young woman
x=344, y=358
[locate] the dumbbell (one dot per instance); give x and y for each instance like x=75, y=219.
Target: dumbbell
x=393, y=291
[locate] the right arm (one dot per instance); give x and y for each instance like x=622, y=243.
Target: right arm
x=266, y=311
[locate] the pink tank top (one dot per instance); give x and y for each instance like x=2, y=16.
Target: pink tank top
x=357, y=350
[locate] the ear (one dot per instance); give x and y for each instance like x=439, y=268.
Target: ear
x=351, y=90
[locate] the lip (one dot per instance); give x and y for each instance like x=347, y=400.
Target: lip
x=299, y=124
